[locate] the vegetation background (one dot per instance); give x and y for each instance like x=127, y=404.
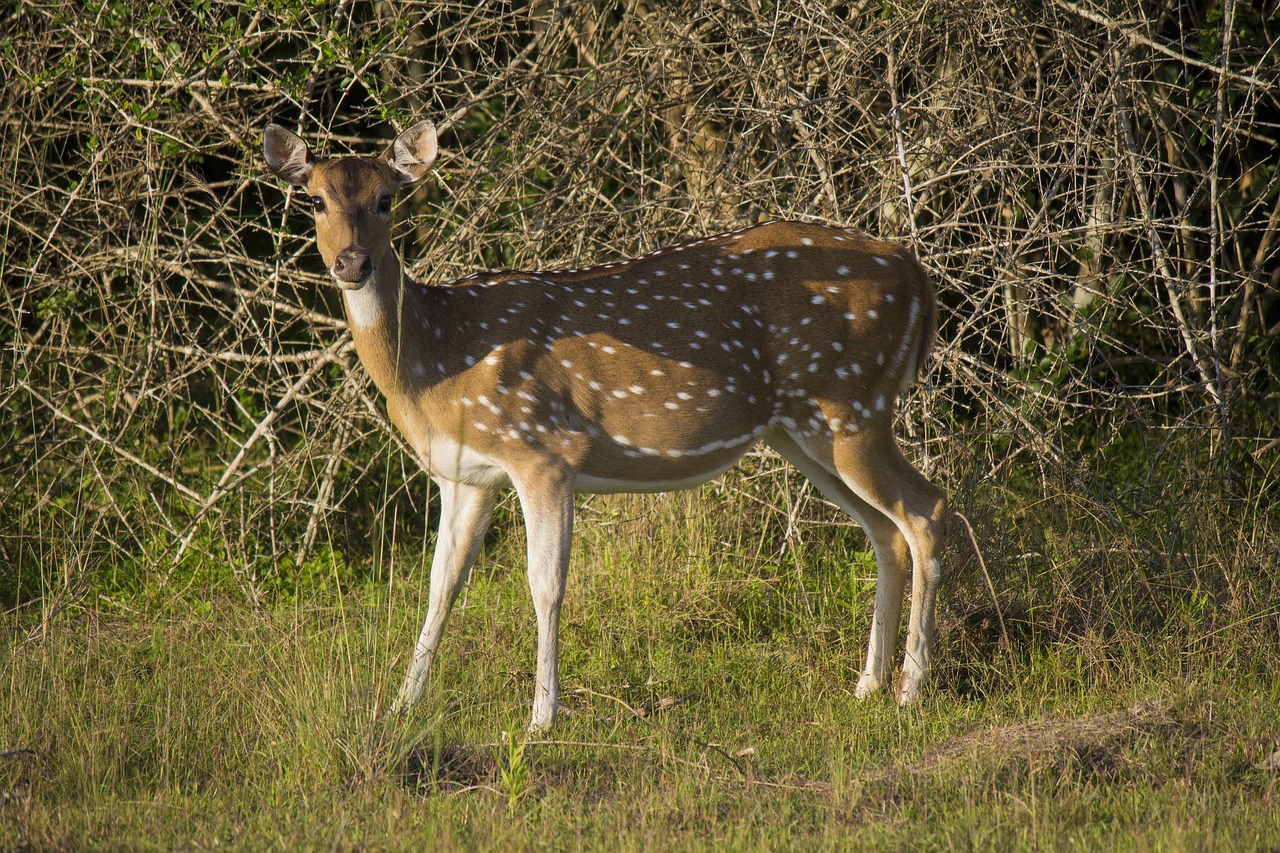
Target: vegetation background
x=211, y=541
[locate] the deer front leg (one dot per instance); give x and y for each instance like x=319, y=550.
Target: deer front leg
x=464, y=517
x=547, y=500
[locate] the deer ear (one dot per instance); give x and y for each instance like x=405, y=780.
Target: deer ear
x=287, y=155
x=413, y=152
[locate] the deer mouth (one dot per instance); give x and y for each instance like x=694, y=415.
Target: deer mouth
x=347, y=284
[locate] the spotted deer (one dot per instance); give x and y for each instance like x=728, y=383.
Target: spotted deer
x=649, y=374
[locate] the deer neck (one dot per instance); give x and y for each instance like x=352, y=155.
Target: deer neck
x=376, y=315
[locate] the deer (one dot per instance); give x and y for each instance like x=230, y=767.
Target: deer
x=648, y=374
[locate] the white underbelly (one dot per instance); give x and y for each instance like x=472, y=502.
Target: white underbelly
x=460, y=463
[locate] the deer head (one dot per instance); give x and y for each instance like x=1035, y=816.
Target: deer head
x=352, y=196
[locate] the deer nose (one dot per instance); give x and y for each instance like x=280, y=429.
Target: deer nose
x=352, y=266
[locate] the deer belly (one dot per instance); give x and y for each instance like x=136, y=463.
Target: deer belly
x=652, y=480
x=619, y=465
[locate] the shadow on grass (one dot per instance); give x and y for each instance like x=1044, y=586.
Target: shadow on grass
x=456, y=767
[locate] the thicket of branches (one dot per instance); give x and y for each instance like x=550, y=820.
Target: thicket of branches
x=1093, y=186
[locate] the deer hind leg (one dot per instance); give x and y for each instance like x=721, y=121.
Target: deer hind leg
x=871, y=465
x=464, y=518
x=892, y=555
x=547, y=501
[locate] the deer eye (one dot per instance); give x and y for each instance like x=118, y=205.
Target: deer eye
x=317, y=203
x=384, y=204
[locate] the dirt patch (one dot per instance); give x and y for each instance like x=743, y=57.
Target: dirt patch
x=1110, y=748
x=1098, y=743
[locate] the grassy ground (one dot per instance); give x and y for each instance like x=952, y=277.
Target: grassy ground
x=708, y=660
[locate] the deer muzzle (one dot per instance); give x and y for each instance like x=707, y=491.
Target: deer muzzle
x=352, y=268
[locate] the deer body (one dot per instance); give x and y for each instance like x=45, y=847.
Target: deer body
x=650, y=374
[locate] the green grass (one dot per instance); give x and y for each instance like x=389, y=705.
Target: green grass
x=708, y=662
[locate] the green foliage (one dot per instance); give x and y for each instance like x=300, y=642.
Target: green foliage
x=513, y=770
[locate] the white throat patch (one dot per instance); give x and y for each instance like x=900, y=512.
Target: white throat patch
x=363, y=309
